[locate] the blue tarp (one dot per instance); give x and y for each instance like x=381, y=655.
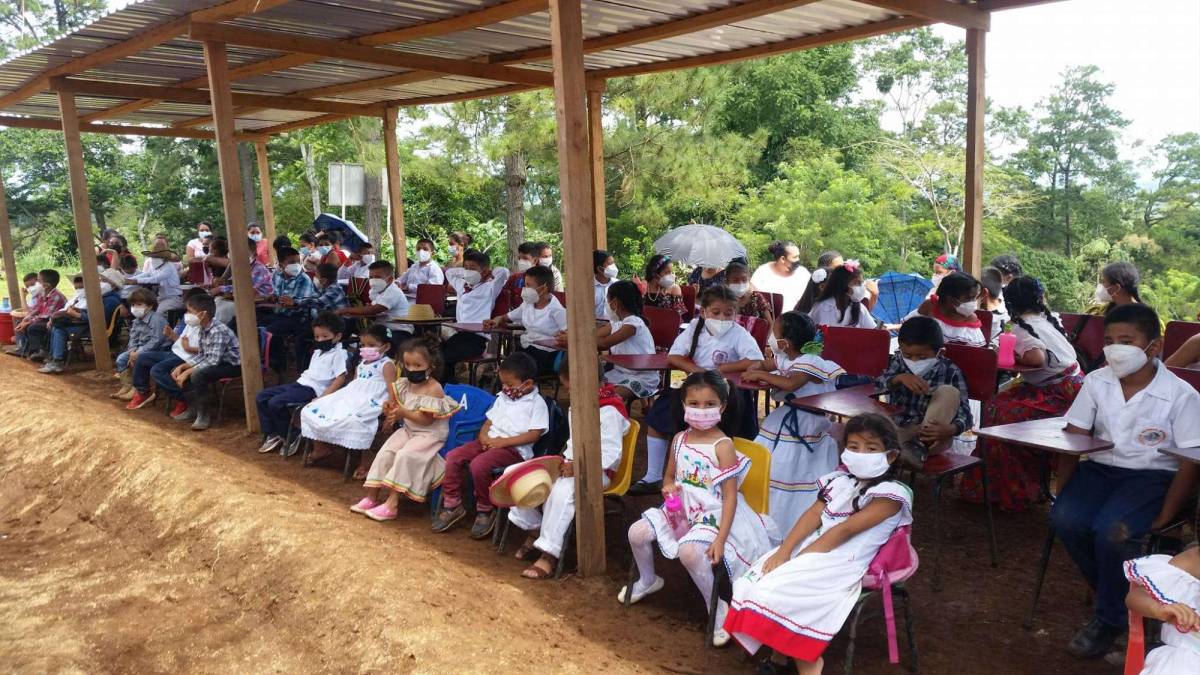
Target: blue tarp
x=899, y=295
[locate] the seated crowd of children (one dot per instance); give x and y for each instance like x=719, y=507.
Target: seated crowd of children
x=834, y=494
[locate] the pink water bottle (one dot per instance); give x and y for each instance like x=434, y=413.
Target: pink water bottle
x=673, y=507
x=1005, y=357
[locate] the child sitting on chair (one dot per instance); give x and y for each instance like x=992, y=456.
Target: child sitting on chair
x=542, y=316
x=326, y=373
x=953, y=305
x=715, y=523
x=929, y=389
x=219, y=357
x=1109, y=503
x=627, y=334
x=548, y=525
x=184, y=341
x=349, y=417
x=1167, y=589
x=33, y=332
x=796, y=598
x=410, y=464
x=147, y=333
x=514, y=423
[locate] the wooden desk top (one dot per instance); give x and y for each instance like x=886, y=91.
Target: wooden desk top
x=845, y=402
x=1046, y=434
x=478, y=328
x=638, y=361
x=1186, y=454
x=736, y=380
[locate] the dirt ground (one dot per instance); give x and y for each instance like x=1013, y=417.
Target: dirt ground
x=130, y=544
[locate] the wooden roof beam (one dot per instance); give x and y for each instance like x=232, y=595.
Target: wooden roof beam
x=119, y=129
x=334, y=49
x=201, y=97
x=941, y=11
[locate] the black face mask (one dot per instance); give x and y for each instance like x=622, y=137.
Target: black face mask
x=324, y=345
x=415, y=376
x=794, y=266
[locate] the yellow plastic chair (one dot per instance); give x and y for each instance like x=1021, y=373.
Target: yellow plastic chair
x=624, y=474
x=756, y=486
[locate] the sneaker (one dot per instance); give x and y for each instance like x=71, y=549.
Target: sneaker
x=51, y=368
x=448, y=518
x=638, y=594
x=292, y=448
x=482, y=527
x=140, y=400
x=381, y=513
x=14, y=351
x=271, y=444
x=913, y=454
x=179, y=412
x=38, y=356
x=1094, y=640
x=125, y=389
x=202, y=422
x=365, y=504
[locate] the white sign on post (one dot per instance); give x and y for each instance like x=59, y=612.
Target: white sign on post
x=346, y=186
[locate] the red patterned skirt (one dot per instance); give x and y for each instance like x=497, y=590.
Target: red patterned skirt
x=1013, y=471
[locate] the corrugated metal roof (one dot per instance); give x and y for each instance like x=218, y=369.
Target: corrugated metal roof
x=180, y=59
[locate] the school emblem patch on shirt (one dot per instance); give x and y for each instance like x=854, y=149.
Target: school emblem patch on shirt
x=1152, y=437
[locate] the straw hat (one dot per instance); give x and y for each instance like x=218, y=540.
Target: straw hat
x=113, y=277
x=161, y=250
x=526, y=484
x=420, y=313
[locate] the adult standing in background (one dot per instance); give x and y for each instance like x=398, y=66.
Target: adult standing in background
x=262, y=247
x=197, y=249
x=459, y=243
x=783, y=274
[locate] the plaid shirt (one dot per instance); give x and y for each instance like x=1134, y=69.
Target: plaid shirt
x=146, y=334
x=218, y=345
x=329, y=298
x=297, y=288
x=47, y=304
x=913, y=405
x=260, y=279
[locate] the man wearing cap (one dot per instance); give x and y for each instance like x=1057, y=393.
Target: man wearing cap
x=74, y=320
x=162, y=273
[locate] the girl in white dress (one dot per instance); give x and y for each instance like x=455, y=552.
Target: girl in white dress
x=349, y=417
x=1168, y=590
x=796, y=598
x=841, y=300
x=715, y=522
x=627, y=333
x=801, y=448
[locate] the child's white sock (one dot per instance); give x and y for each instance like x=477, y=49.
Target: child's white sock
x=656, y=458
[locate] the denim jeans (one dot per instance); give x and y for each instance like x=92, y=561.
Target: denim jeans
x=274, y=413
x=145, y=364
x=59, y=336
x=198, y=387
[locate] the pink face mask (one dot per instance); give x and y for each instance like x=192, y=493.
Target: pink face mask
x=701, y=418
x=370, y=354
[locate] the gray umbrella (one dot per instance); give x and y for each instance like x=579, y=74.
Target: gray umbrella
x=701, y=245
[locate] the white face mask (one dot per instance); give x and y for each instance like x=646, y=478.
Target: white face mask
x=529, y=295
x=138, y=311
x=36, y=290
x=453, y=250
x=191, y=319
x=524, y=265
x=204, y=234
x=667, y=281
x=858, y=293
x=739, y=289
x=865, y=465
x=1103, y=297
x=717, y=327
x=1125, y=360
x=919, y=368
x=293, y=270
x=611, y=271
x=256, y=238
x=368, y=259
x=377, y=286
x=472, y=277
x=968, y=308
x=105, y=288
x=546, y=262
x=423, y=255
x=775, y=343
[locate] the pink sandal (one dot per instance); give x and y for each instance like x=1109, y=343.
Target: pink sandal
x=365, y=504
x=382, y=513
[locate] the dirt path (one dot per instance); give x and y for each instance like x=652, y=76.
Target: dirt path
x=130, y=544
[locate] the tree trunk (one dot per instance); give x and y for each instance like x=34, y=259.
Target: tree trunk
x=247, y=161
x=1067, y=207
x=373, y=218
x=60, y=14
x=515, y=177
x=141, y=229
x=101, y=220
x=310, y=175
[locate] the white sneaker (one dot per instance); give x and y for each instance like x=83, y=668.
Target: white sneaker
x=270, y=445
x=721, y=637
x=655, y=587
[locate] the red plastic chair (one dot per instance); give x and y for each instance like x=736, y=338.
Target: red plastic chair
x=1135, y=648
x=664, y=326
x=776, y=300
x=195, y=273
x=759, y=330
x=859, y=351
x=689, y=302
x=433, y=295
x=264, y=351
x=562, y=297
x=1178, y=333
x=978, y=365
x=1188, y=375
x=985, y=323
x=1087, y=333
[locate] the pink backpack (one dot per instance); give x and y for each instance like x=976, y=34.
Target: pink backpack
x=895, y=561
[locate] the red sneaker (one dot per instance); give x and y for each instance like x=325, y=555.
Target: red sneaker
x=140, y=400
x=180, y=409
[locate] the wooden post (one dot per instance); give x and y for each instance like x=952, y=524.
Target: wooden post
x=215, y=59
x=596, y=150
x=10, y=258
x=575, y=186
x=268, y=196
x=83, y=231
x=972, y=253
x=395, y=188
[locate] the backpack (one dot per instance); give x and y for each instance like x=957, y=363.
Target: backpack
x=894, y=562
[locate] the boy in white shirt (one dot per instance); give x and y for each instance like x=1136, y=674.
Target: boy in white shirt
x=1111, y=501
x=514, y=423
x=388, y=304
x=542, y=316
x=358, y=263
x=477, y=286
x=426, y=271
x=545, y=258
x=326, y=373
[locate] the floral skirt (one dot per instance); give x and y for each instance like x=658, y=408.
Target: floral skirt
x=1014, y=471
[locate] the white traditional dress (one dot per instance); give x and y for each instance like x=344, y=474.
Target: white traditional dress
x=349, y=416
x=798, y=608
x=1167, y=584
x=699, y=476
x=801, y=448
x=410, y=461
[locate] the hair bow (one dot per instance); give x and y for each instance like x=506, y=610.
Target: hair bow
x=851, y=265
x=818, y=275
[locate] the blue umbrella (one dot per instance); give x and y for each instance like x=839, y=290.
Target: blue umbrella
x=899, y=295
x=352, y=237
